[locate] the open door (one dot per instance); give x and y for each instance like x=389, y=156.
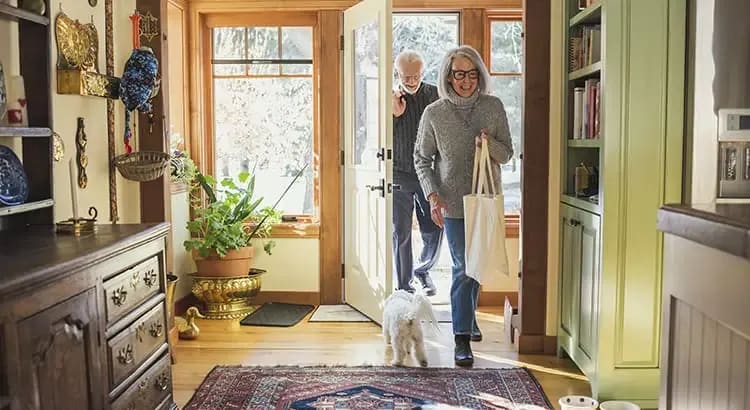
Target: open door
x=368, y=135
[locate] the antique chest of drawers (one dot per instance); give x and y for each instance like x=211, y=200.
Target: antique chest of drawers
x=84, y=322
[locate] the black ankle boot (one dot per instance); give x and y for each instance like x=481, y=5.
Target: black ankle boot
x=463, y=355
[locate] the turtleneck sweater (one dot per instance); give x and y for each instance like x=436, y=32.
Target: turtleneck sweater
x=445, y=147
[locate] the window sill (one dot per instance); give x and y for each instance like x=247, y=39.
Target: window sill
x=299, y=230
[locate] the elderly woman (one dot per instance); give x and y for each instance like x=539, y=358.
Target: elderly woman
x=449, y=131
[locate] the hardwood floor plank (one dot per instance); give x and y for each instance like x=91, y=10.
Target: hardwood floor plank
x=229, y=343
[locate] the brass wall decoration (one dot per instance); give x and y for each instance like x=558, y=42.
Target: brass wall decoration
x=149, y=27
x=77, y=61
x=58, y=147
x=81, y=158
x=109, y=47
x=93, y=3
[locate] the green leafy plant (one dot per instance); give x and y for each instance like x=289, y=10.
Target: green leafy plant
x=182, y=168
x=221, y=222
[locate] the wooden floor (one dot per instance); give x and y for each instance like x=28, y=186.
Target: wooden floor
x=228, y=343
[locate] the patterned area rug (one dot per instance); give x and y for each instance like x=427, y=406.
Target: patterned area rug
x=329, y=388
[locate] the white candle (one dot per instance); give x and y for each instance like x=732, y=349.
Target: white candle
x=73, y=187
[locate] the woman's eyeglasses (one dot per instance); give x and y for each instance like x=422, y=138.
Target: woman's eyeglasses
x=461, y=74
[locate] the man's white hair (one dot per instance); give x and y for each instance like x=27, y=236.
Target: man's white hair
x=469, y=53
x=408, y=57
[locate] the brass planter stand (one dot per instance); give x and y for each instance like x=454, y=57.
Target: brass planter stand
x=226, y=297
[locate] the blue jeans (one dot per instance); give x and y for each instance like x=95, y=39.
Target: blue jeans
x=406, y=201
x=464, y=290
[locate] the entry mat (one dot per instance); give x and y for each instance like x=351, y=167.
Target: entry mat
x=337, y=313
x=277, y=314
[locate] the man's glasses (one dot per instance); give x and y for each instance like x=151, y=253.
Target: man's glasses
x=461, y=74
x=410, y=78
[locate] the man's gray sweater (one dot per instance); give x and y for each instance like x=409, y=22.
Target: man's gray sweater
x=445, y=147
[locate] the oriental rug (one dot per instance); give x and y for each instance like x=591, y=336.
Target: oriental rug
x=365, y=387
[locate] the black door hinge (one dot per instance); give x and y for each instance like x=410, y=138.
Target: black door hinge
x=342, y=271
x=342, y=157
x=342, y=42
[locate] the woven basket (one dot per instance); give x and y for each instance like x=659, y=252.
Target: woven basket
x=142, y=166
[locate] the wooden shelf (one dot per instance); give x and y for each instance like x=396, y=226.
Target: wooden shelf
x=589, y=15
x=27, y=207
x=585, y=143
x=585, y=72
x=582, y=203
x=8, y=12
x=25, y=132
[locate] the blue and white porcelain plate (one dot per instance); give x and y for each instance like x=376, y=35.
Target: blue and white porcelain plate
x=14, y=185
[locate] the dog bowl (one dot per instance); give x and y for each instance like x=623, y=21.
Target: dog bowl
x=577, y=403
x=619, y=405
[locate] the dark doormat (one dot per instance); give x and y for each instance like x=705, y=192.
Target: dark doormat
x=277, y=314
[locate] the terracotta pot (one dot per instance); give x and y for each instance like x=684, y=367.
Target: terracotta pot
x=237, y=262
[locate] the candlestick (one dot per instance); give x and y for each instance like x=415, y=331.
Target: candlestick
x=73, y=187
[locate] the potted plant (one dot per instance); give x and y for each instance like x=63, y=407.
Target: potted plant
x=225, y=224
x=182, y=168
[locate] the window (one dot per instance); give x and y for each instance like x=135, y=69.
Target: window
x=263, y=111
x=506, y=60
x=430, y=34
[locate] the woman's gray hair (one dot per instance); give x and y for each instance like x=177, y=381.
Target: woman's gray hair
x=469, y=53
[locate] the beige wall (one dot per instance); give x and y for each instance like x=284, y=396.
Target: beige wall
x=67, y=108
x=555, y=140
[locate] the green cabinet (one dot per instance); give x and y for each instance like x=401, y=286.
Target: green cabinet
x=579, y=285
x=622, y=109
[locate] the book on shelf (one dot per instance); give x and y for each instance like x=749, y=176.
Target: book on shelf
x=584, y=47
x=586, y=110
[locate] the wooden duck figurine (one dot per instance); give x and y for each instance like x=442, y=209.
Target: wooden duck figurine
x=186, y=327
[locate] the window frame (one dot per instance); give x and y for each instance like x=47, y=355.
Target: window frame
x=512, y=220
x=306, y=226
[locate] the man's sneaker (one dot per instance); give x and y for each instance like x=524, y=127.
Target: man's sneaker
x=427, y=284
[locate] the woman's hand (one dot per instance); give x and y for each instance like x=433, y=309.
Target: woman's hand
x=478, y=140
x=437, y=206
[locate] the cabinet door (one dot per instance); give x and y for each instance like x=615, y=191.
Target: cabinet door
x=569, y=262
x=61, y=356
x=588, y=304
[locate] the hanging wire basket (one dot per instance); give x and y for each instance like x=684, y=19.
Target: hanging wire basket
x=142, y=166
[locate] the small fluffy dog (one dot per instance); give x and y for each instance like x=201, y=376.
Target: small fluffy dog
x=402, y=324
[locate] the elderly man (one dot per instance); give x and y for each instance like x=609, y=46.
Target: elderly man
x=409, y=102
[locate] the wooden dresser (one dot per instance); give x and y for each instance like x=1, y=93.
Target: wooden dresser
x=84, y=320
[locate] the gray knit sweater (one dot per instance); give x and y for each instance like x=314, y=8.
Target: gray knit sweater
x=444, y=151
x=405, y=127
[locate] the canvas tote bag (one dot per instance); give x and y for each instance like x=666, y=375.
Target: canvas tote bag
x=484, y=221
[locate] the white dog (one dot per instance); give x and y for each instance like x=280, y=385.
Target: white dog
x=402, y=324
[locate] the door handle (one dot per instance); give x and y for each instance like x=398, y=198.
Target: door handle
x=380, y=187
x=393, y=187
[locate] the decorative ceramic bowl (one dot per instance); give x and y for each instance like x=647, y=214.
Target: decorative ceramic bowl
x=577, y=403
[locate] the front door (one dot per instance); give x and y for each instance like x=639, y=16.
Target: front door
x=368, y=73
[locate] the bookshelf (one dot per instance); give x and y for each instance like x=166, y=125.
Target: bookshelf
x=622, y=96
x=33, y=143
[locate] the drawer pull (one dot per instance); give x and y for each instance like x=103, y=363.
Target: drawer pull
x=149, y=278
x=119, y=296
x=156, y=330
x=162, y=382
x=125, y=355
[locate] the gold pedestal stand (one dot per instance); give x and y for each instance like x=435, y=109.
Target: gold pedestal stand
x=79, y=226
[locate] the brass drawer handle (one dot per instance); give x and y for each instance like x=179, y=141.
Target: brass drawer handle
x=162, y=382
x=119, y=296
x=149, y=278
x=125, y=355
x=156, y=330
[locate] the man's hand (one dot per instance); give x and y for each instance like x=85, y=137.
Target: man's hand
x=437, y=206
x=399, y=103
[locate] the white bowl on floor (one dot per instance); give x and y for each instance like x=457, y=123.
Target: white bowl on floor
x=577, y=403
x=619, y=405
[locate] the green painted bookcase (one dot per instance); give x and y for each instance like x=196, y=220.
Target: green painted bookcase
x=610, y=264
